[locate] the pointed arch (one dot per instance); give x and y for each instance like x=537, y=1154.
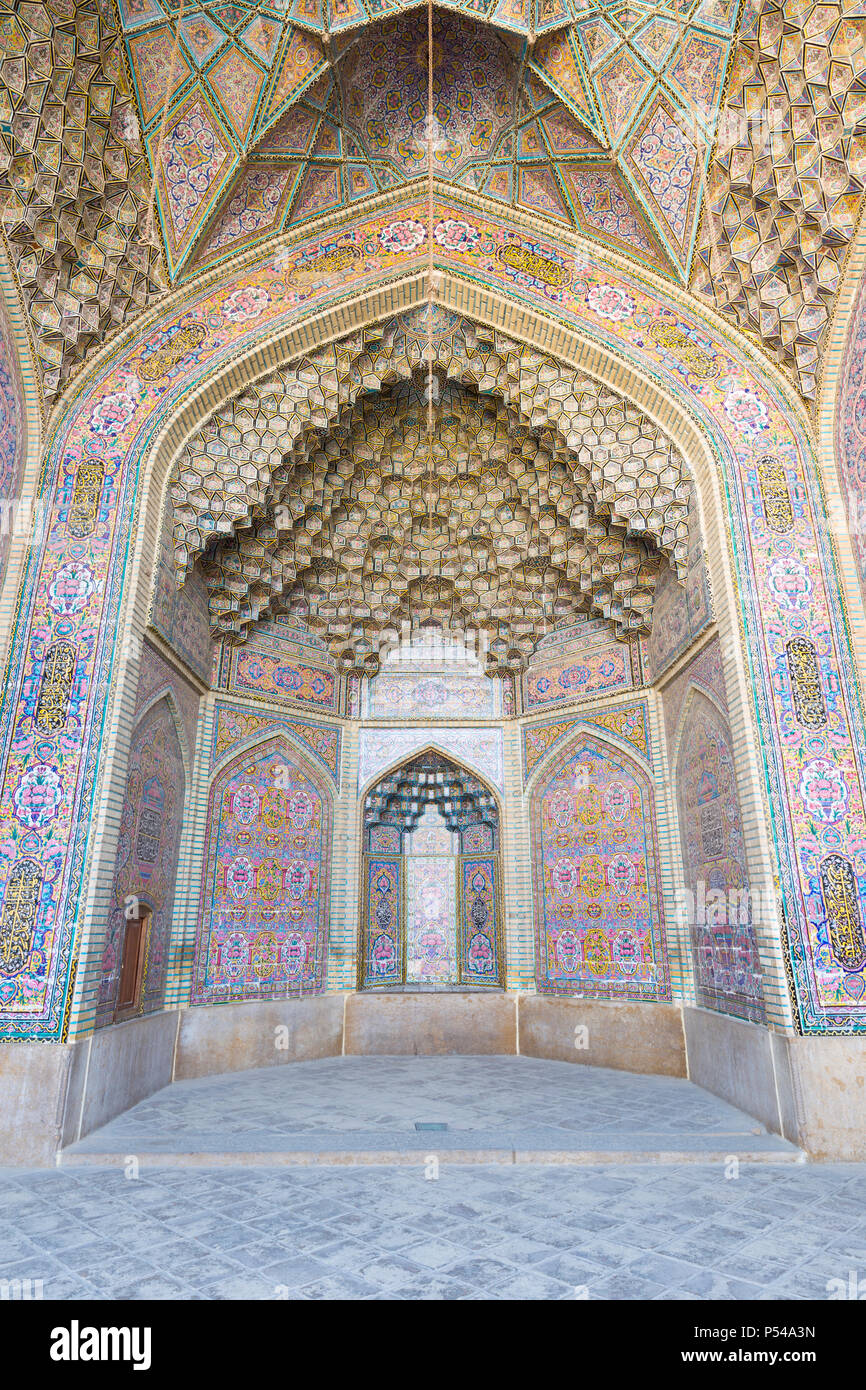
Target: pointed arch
x=694, y=687
x=433, y=746
x=723, y=909
x=165, y=692
x=266, y=876
x=296, y=744
x=468, y=950
x=21, y=465
x=202, y=387
x=840, y=456
x=728, y=424
x=584, y=726
x=148, y=850
x=599, y=919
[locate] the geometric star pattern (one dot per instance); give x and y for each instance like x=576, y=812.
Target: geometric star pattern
x=547, y=84
x=244, y=119
x=647, y=80
x=362, y=129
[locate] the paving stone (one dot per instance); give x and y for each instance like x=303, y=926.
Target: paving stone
x=433, y=1254
x=481, y=1231
x=711, y=1284
x=294, y=1273
x=339, y=1286
x=343, y=1096
x=625, y=1284
x=428, y=1288
x=533, y=1284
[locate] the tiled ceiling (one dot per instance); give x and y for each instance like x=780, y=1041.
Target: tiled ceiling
x=257, y=118
x=142, y=140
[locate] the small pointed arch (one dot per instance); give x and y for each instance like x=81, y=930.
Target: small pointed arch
x=439, y=748
x=297, y=745
x=597, y=893
x=266, y=876
x=145, y=871
x=580, y=728
x=696, y=690
x=724, y=909
x=166, y=693
x=431, y=914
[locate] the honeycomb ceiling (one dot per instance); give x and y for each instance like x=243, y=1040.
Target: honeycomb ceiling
x=540, y=495
x=786, y=184
x=430, y=780
x=74, y=179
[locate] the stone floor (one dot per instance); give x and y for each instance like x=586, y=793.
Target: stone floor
x=371, y=1105
x=138, y=1224
x=492, y=1232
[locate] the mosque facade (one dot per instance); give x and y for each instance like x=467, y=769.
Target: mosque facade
x=433, y=577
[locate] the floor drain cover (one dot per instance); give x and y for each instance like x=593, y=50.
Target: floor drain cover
x=427, y=1124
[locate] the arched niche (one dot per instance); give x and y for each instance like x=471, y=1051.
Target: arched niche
x=146, y=861
x=720, y=906
x=431, y=911
x=266, y=878
x=597, y=897
x=726, y=424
